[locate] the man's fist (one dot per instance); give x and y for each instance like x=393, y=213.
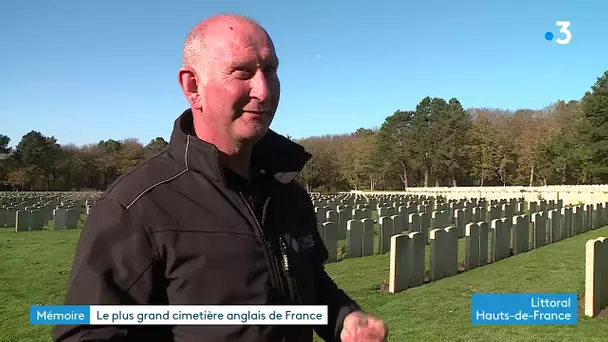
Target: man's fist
x=359, y=327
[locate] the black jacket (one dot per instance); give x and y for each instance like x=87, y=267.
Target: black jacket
x=179, y=229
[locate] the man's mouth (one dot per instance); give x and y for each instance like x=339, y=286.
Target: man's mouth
x=260, y=113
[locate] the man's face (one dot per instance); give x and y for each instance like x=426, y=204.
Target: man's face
x=239, y=87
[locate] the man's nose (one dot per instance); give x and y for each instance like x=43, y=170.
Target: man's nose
x=260, y=88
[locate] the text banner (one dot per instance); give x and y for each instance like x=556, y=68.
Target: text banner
x=179, y=315
x=524, y=308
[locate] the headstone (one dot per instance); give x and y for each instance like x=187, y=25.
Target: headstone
x=479, y=214
x=406, y=261
x=468, y=217
x=414, y=222
x=330, y=238
x=36, y=220
x=596, y=276
x=354, y=238
x=471, y=241
x=439, y=219
x=387, y=211
x=588, y=217
x=385, y=231
x=507, y=211
x=366, y=213
x=405, y=217
x=331, y=216
x=597, y=216
x=22, y=221
x=484, y=244
x=344, y=215
x=501, y=238
x=397, y=225
x=567, y=213
x=425, y=224
x=562, y=226
x=532, y=208
x=494, y=213
x=553, y=225
x=3, y=217
x=358, y=214
x=11, y=217
x=368, y=236
x=577, y=220
x=320, y=213
x=452, y=209
x=60, y=219
x=539, y=230
x=521, y=208
x=459, y=221
x=444, y=253
x=521, y=234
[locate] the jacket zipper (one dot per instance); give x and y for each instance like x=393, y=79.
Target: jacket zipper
x=277, y=279
x=290, y=284
x=285, y=256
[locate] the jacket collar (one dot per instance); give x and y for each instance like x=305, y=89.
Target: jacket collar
x=273, y=154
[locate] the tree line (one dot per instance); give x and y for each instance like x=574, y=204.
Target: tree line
x=437, y=143
x=38, y=162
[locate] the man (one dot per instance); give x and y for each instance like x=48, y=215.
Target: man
x=217, y=218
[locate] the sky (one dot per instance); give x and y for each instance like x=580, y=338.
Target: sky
x=85, y=71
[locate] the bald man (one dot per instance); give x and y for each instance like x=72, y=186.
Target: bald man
x=217, y=218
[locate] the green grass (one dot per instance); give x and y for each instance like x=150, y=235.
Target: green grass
x=34, y=269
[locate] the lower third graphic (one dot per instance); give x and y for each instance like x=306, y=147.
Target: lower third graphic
x=524, y=308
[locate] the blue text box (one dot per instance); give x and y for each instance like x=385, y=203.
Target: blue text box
x=60, y=314
x=524, y=308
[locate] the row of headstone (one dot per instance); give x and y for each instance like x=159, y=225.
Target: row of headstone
x=485, y=243
x=572, y=195
x=406, y=220
x=7, y=197
x=32, y=213
x=357, y=201
x=470, y=209
x=361, y=232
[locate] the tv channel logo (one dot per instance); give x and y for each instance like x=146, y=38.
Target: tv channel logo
x=564, y=29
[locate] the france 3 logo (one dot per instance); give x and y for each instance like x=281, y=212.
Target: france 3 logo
x=564, y=28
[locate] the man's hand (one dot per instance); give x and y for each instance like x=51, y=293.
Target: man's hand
x=359, y=327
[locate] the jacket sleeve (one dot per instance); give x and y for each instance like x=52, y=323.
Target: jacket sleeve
x=112, y=266
x=328, y=293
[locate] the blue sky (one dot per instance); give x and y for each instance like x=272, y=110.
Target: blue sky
x=84, y=71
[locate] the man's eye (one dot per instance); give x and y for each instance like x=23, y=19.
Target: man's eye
x=242, y=72
x=270, y=69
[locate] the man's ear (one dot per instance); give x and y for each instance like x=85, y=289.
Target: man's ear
x=189, y=82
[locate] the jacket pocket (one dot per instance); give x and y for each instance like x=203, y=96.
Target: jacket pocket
x=212, y=266
x=301, y=269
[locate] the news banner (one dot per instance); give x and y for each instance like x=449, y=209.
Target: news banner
x=486, y=309
x=524, y=308
x=178, y=315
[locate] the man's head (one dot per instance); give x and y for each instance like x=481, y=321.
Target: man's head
x=229, y=77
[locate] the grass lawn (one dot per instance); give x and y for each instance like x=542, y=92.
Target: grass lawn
x=34, y=270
